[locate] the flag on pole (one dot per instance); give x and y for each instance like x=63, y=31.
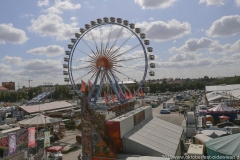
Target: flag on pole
x=89, y=86
x=106, y=97
x=130, y=95
x=83, y=84
x=127, y=96
x=139, y=93
x=121, y=96
x=113, y=98
x=31, y=137
x=142, y=92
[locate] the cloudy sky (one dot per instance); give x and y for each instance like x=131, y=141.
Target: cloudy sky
x=190, y=38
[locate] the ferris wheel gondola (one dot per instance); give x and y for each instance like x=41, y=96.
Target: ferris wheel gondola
x=104, y=53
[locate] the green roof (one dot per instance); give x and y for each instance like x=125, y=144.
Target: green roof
x=227, y=145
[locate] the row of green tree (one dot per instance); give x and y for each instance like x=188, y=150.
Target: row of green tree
x=62, y=91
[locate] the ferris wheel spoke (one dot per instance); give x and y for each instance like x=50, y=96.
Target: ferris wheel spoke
x=83, y=76
x=84, y=53
x=122, y=74
x=118, y=36
x=101, y=35
x=109, y=36
x=122, y=60
x=119, y=48
x=127, y=51
x=90, y=48
x=79, y=60
x=94, y=42
x=75, y=69
x=129, y=68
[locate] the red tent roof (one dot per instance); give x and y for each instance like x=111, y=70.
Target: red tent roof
x=54, y=149
x=221, y=108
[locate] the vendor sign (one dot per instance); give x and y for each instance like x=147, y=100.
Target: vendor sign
x=46, y=139
x=12, y=144
x=31, y=137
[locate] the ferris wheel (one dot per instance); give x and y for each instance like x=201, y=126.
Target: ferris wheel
x=103, y=55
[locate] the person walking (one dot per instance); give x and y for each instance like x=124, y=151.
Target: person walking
x=79, y=156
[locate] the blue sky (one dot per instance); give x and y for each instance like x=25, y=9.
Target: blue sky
x=190, y=39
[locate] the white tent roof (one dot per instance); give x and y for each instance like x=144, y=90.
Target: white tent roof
x=38, y=120
x=221, y=107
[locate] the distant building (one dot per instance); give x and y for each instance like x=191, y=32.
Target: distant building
x=9, y=85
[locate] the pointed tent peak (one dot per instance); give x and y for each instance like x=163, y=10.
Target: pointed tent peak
x=221, y=107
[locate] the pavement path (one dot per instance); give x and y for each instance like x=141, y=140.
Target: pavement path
x=174, y=117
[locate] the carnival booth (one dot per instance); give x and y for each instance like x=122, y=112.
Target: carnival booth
x=222, y=110
x=210, y=118
x=223, y=119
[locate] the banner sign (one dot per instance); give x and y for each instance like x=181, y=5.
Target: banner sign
x=4, y=141
x=12, y=143
x=22, y=136
x=31, y=137
x=46, y=139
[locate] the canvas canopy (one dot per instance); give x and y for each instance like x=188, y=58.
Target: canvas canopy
x=227, y=145
x=221, y=108
x=38, y=120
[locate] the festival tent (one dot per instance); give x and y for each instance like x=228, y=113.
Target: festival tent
x=222, y=110
x=39, y=120
x=224, y=146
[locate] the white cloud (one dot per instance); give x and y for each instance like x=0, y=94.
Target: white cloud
x=162, y=31
x=222, y=61
x=12, y=60
x=237, y=3
x=52, y=25
x=225, y=26
x=236, y=56
x=40, y=69
x=49, y=51
x=10, y=34
x=4, y=67
x=193, y=45
x=73, y=18
x=183, y=57
x=26, y=15
x=62, y=5
x=37, y=64
x=154, y=4
x=151, y=18
x=203, y=62
x=88, y=5
x=213, y=2
x=43, y=3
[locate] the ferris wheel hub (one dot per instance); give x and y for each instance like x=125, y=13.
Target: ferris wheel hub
x=104, y=61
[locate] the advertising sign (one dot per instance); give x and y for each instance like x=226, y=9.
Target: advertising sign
x=22, y=136
x=31, y=137
x=139, y=117
x=46, y=139
x=4, y=141
x=12, y=146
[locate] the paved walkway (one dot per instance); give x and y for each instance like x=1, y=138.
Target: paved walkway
x=174, y=117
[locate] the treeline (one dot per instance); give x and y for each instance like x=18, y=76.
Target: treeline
x=62, y=91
